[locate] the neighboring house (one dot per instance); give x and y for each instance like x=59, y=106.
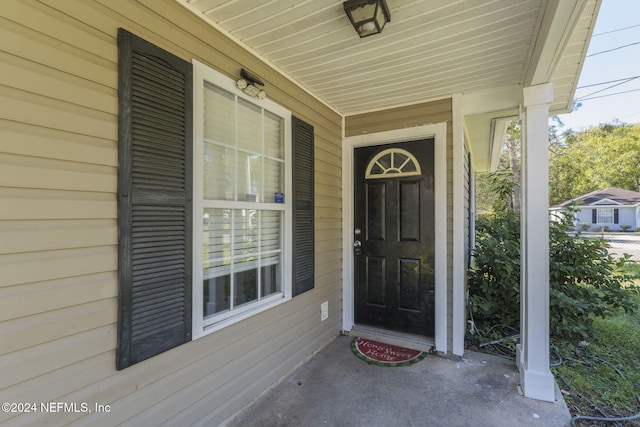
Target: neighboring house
x=171, y=246
x=612, y=208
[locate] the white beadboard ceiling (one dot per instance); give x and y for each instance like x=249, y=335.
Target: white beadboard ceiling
x=431, y=49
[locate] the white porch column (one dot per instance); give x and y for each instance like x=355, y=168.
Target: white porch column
x=533, y=352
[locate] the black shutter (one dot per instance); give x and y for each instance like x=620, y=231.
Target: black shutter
x=303, y=225
x=594, y=216
x=616, y=216
x=154, y=200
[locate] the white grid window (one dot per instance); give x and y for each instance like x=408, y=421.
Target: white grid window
x=241, y=163
x=604, y=216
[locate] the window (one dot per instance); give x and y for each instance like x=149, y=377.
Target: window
x=242, y=207
x=605, y=216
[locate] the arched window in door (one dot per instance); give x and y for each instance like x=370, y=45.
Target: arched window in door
x=392, y=163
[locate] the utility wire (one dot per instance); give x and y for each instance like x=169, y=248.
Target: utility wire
x=613, y=31
x=610, y=81
x=607, y=88
x=611, y=50
x=611, y=94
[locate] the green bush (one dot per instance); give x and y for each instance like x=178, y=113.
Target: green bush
x=625, y=227
x=494, y=281
x=585, y=279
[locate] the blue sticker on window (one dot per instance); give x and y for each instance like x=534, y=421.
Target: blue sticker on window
x=278, y=198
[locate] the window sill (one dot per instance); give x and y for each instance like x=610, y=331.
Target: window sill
x=232, y=319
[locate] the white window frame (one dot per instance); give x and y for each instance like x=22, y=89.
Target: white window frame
x=202, y=73
x=600, y=215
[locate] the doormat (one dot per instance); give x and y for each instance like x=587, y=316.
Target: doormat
x=378, y=353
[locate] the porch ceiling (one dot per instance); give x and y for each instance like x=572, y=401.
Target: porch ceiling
x=431, y=49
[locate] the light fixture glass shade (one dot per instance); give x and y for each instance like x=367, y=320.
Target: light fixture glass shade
x=368, y=17
x=251, y=90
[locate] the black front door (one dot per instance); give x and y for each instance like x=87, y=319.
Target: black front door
x=394, y=237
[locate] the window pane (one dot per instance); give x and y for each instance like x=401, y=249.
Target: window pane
x=270, y=279
x=245, y=233
x=219, y=115
x=398, y=160
x=216, y=242
x=270, y=239
x=249, y=126
x=271, y=222
x=218, y=172
x=273, y=135
x=273, y=179
x=376, y=170
x=216, y=294
x=249, y=177
x=245, y=286
x=409, y=167
x=385, y=161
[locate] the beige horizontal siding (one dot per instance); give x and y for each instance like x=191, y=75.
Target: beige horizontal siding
x=24, y=41
x=42, y=142
x=26, y=364
x=32, y=77
x=58, y=234
x=37, y=172
x=56, y=294
x=47, y=235
x=398, y=118
x=36, y=204
x=38, y=110
x=33, y=267
x=53, y=325
x=46, y=387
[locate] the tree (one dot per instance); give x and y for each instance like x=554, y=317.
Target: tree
x=513, y=148
x=600, y=157
x=508, y=167
x=579, y=162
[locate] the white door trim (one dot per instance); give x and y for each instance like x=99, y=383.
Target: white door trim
x=439, y=133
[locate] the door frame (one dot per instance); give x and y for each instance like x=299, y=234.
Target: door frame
x=439, y=133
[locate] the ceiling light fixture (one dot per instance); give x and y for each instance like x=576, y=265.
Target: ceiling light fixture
x=367, y=16
x=247, y=83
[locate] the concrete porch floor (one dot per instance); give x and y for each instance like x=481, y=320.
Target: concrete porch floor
x=335, y=388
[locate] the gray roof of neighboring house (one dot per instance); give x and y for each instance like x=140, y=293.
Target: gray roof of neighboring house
x=624, y=197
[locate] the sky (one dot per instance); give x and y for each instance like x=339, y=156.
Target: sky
x=617, y=25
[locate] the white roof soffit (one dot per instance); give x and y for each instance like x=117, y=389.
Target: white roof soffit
x=557, y=55
x=486, y=50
